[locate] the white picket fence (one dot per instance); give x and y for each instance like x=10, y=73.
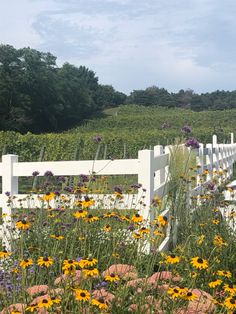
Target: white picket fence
x=151, y=166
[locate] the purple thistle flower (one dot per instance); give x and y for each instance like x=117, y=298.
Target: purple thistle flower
x=7, y=194
x=192, y=143
x=35, y=173
x=118, y=189
x=97, y=139
x=136, y=186
x=68, y=189
x=48, y=173
x=62, y=179
x=84, y=177
x=186, y=129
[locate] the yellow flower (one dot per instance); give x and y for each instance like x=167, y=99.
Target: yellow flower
x=230, y=303
x=45, y=261
x=137, y=235
x=163, y=220
x=100, y=303
x=174, y=292
x=24, y=263
x=106, y=228
x=137, y=218
x=31, y=308
x=172, y=259
x=112, y=278
x=22, y=224
x=82, y=295
x=224, y=273
x=230, y=288
x=87, y=202
x=190, y=296
x=55, y=300
x=80, y=214
x=144, y=230
x=158, y=233
x=4, y=254
x=91, y=218
x=199, y=263
x=201, y=239
x=89, y=262
x=215, y=221
x=45, y=303
x=57, y=236
x=218, y=241
x=215, y=283
x=90, y=272
x=48, y=196
x=110, y=214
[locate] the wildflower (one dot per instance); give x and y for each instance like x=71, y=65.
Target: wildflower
x=23, y=224
x=192, y=143
x=215, y=221
x=190, y=296
x=230, y=303
x=97, y=139
x=69, y=263
x=215, y=283
x=230, y=288
x=89, y=262
x=32, y=308
x=199, y=263
x=144, y=230
x=45, y=303
x=91, y=218
x=158, y=233
x=57, y=237
x=24, y=263
x=156, y=201
x=90, y=272
x=137, y=218
x=186, y=129
x=48, y=173
x=112, y=278
x=45, y=261
x=137, y=235
x=172, y=259
x=174, y=292
x=115, y=255
x=218, y=241
x=56, y=300
x=4, y=254
x=82, y=295
x=49, y=196
x=201, y=239
x=110, y=214
x=80, y=214
x=224, y=273
x=87, y=202
x=100, y=303
x=163, y=220
x=106, y=228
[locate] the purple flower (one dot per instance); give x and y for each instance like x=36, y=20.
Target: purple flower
x=192, y=143
x=7, y=194
x=62, y=179
x=136, y=186
x=35, y=173
x=84, y=178
x=48, y=173
x=68, y=189
x=118, y=189
x=211, y=186
x=186, y=129
x=97, y=139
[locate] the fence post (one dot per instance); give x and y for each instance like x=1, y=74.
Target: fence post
x=159, y=174
x=9, y=186
x=146, y=178
x=209, y=161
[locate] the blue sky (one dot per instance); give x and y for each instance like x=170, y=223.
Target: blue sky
x=132, y=44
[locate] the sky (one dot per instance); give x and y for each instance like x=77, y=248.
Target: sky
x=132, y=44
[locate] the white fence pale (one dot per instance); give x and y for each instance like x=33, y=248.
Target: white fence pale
x=151, y=166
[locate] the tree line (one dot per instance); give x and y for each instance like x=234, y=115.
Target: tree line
x=37, y=95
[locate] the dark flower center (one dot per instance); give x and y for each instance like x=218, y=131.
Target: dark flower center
x=176, y=290
x=45, y=301
x=172, y=255
x=45, y=259
x=200, y=260
x=137, y=215
x=112, y=275
x=165, y=218
x=70, y=261
x=101, y=300
x=90, y=216
x=82, y=294
x=189, y=294
x=233, y=301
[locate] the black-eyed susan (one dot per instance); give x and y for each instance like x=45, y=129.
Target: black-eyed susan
x=25, y=263
x=82, y=295
x=112, y=278
x=144, y=230
x=91, y=218
x=158, y=233
x=174, y=292
x=23, y=224
x=31, y=308
x=172, y=259
x=137, y=218
x=88, y=273
x=100, y=303
x=163, y=220
x=201, y=239
x=45, y=261
x=229, y=287
x=190, y=296
x=199, y=263
x=106, y=228
x=57, y=237
x=137, y=235
x=224, y=273
x=110, y=214
x=215, y=221
x=55, y=300
x=15, y=312
x=88, y=202
x=115, y=255
x=230, y=303
x=125, y=218
x=89, y=262
x=45, y=303
x=69, y=263
x=80, y=214
x=48, y=196
x=219, y=241
x=215, y=283
x=4, y=254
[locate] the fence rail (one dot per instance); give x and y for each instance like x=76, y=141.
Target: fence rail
x=151, y=166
